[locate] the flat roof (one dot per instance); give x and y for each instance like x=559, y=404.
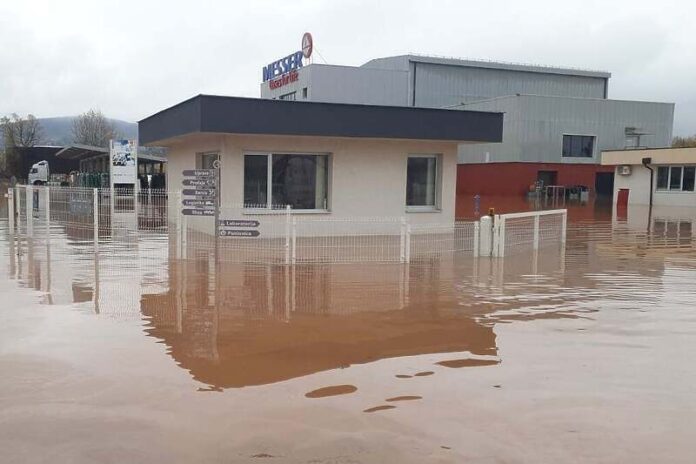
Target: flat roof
x=535, y=68
x=237, y=115
x=657, y=155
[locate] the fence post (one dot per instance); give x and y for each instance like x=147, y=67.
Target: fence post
x=287, y=234
x=184, y=235
x=408, y=244
x=402, y=240
x=477, y=244
x=294, y=240
x=29, y=193
x=501, y=232
x=11, y=210
x=564, y=226
x=178, y=224
x=47, y=190
x=536, y=232
x=485, y=236
x=95, y=209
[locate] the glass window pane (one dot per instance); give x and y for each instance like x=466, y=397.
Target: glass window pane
x=300, y=181
x=587, y=146
x=575, y=145
x=255, y=181
x=662, y=177
x=689, y=176
x=421, y=174
x=566, y=145
x=207, y=160
x=675, y=178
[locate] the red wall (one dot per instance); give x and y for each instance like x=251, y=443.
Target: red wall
x=515, y=178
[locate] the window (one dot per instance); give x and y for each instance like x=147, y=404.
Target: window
x=300, y=181
x=288, y=96
x=206, y=160
x=578, y=146
x=422, y=182
x=676, y=178
x=304, y=93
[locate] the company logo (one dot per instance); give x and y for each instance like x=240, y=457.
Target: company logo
x=307, y=45
x=289, y=64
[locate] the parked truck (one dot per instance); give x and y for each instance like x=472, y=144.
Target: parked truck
x=40, y=174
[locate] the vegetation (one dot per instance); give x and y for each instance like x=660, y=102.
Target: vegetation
x=684, y=142
x=93, y=128
x=17, y=132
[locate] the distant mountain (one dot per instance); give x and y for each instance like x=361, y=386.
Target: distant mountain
x=58, y=131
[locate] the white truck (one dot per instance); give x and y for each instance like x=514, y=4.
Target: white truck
x=40, y=174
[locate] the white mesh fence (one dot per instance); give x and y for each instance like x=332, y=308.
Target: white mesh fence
x=115, y=220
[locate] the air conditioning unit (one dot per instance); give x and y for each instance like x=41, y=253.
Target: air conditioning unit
x=625, y=170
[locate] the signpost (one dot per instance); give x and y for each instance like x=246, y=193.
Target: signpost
x=203, y=199
x=238, y=233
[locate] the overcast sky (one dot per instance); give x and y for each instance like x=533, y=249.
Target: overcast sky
x=133, y=58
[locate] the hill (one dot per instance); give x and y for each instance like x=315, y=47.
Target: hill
x=58, y=131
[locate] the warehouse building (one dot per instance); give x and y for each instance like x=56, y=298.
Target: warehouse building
x=557, y=120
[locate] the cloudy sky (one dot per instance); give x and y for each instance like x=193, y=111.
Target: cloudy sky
x=132, y=58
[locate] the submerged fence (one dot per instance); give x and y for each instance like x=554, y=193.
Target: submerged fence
x=272, y=236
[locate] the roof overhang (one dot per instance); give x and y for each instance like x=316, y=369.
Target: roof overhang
x=253, y=116
x=80, y=152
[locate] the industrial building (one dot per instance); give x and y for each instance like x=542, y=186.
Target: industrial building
x=557, y=120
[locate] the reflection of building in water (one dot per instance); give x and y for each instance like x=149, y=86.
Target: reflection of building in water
x=255, y=325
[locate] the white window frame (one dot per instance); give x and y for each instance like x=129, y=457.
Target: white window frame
x=669, y=178
x=438, y=184
x=594, y=146
x=269, y=182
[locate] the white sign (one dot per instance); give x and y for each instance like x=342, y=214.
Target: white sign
x=124, y=162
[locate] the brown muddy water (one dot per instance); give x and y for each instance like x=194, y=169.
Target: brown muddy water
x=576, y=355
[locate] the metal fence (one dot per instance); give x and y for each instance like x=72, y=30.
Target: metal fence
x=248, y=234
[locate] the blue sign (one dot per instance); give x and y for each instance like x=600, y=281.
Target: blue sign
x=282, y=66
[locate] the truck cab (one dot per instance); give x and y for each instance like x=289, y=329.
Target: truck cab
x=39, y=173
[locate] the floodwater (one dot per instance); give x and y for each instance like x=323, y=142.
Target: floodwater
x=577, y=355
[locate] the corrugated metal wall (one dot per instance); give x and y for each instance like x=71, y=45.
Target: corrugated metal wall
x=534, y=126
x=443, y=85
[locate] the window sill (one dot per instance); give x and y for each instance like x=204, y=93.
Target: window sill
x=281, y=212
x=422, y=209
x=674, y=191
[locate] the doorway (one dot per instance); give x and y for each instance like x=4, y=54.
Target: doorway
x=604, y=183
x=547, y=178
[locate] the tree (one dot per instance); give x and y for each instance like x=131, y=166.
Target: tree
x=17, y=132
x=684, y=142
x=20, y=132
x=92, y=128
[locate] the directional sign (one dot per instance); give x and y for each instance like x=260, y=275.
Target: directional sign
x=199, y=173
x=198, y=182
x=201, y=192
x=238, y=233
x=198, y=203
x=238, y=223
x=198, y=212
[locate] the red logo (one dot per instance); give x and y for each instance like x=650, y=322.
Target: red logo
x=307, y=44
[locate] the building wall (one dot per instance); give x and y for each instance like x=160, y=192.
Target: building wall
x=367, y=178
x=439, y=85
x=346, y=84
x=515, y=178
x=638, y=184
x=534, y=126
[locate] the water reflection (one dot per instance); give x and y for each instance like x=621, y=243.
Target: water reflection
x=233, y=325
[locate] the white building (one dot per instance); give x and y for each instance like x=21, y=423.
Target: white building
x=663, y=177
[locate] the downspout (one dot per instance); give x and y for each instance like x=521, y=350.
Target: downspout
x=646, y=162
x=413, y=98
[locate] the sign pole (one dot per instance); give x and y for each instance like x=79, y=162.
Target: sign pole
x=216, y=165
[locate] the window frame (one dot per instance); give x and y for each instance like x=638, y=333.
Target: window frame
x=269, y=182
x=668, y=188
x=437, y=206
x=594, y=146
